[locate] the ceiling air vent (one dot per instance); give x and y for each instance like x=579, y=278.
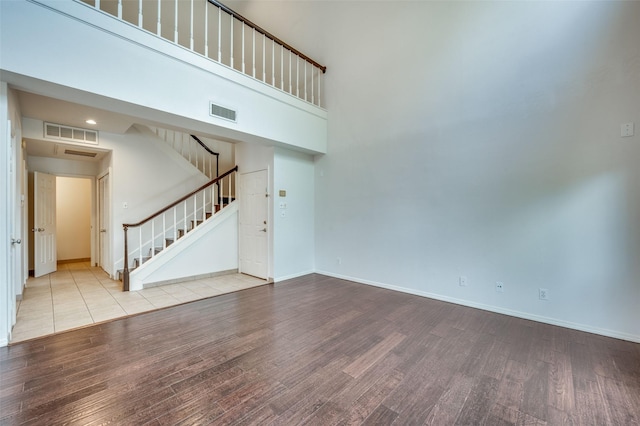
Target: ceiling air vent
x=80, y=153
x=68, y=133
x=222, y=112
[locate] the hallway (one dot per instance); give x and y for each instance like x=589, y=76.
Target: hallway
x=78, y=295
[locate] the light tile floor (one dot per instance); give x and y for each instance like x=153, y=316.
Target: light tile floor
x=79, y=294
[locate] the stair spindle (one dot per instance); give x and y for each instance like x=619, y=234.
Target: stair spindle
x=140, y=246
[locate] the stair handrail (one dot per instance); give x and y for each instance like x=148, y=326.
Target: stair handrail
x=267, y=34
x=126, y=226
x=195, y=191
x=206, y=148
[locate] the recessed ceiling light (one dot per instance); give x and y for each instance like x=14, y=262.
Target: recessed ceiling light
x=91, y=121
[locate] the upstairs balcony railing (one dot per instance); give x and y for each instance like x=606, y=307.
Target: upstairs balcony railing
x=211, y=29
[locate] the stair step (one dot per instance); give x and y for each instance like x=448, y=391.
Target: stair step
x=169, y=241
x=136, y=261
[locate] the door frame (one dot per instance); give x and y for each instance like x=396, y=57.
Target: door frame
x=94, y=212
x=37, y=222
x=108, y=267
x=269, y=194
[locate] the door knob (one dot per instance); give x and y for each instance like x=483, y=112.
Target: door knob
x=16, y=241
x=103, y=230
x=264, y=230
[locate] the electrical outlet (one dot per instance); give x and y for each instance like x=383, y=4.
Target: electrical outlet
x=500, y=287
x=543, y=294
x=463, y=281
x=626, y=130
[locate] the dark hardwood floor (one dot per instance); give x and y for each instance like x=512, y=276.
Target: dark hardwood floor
x=317, y=350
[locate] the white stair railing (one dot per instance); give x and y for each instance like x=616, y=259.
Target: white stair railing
x=192, y=149
x=154, y=234
x=216, y=32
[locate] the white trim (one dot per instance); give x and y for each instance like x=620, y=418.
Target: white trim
x=490, y=308
x=292, y=276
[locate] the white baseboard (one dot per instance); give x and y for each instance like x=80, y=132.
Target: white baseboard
x=292, y=276
x=524, y=315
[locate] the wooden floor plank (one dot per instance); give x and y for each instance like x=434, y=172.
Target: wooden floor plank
x=317, y=350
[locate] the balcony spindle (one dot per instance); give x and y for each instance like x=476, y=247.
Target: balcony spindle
x=140, y=13
x=164, y=230
x=282, y=67
x=253, y=53
x=175, y=22
x=242, y=50
x=290, y=76
x=191, y=28
x=219, y=35
x=159, y=25
x=119, y=9
x=273, y=63
x=206, y=29
x=264, y=68
x=231, y=46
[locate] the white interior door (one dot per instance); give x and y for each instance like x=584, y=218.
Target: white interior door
x=254, y=209
x=103, y=222
x=44, y=210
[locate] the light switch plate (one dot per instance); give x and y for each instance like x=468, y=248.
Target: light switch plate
x=626, y=130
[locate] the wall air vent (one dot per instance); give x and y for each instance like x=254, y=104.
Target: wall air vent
x=222, y=112
x=80, y=153
x=72, y=134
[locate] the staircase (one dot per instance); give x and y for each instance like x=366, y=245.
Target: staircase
x=139, y=261
x=161, y=232
x=192, y=148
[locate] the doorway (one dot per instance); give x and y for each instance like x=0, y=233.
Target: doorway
x=61, y=222
x=104, y=234
x=254, y=229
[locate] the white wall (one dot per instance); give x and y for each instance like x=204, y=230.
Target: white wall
x=294, y=243
x=481, y=139
x=12, y=270
x=7, y=303
x=112, y=65
x=73, y=218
